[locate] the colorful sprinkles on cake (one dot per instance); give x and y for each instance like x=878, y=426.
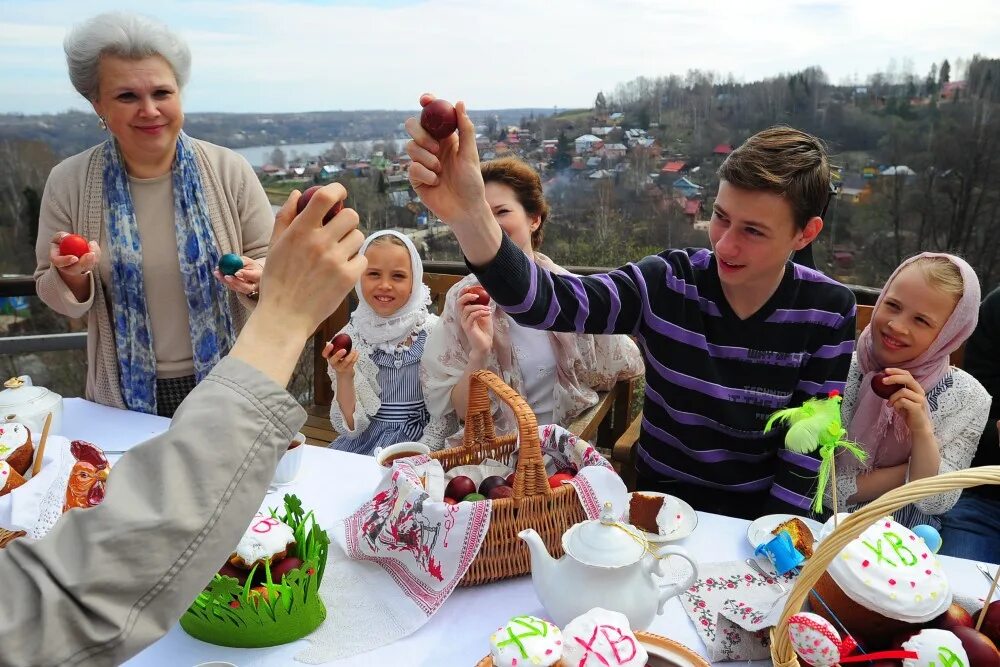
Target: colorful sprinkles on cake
x=888, y=566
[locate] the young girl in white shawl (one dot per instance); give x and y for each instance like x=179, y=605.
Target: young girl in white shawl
x=378, y=400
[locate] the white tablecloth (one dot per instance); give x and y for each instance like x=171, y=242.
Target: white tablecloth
x=333, y=484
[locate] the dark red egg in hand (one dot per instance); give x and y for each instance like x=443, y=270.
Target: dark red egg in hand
x=881, y=389
x=300, y=205
x=74, y=244
x=341, y=342
x=482, y=297
x=439, y=119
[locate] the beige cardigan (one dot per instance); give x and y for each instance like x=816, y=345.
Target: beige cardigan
x=74, y=202
x=109, y=581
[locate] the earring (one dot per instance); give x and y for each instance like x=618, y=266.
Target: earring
x=101, y=123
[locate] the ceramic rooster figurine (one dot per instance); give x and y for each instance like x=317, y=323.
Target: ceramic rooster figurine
x=88, y=476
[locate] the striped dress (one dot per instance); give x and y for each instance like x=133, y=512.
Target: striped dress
x=712, y=379
x=403, y=414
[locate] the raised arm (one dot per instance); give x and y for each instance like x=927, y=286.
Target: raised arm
x=107, y=582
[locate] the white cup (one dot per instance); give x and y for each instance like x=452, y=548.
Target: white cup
x=291, y=461
x=215, y=663
x=383, y=454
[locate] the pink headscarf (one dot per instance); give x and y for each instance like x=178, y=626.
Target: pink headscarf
x=875, y=425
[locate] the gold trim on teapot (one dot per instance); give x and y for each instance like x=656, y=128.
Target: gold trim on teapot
x=14, y=383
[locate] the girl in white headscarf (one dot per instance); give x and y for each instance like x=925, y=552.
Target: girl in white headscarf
x=378, y=399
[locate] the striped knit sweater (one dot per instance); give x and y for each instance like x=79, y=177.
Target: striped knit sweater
x=712, y=379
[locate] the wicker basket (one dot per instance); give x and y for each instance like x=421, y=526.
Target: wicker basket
x=8, y=536
x=782, y=653
x=534, y=505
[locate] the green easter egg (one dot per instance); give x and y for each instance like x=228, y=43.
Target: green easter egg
x=229, y=264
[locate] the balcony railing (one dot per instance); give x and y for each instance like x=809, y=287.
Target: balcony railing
x=24, y=286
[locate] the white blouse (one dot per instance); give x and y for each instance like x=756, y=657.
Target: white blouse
x=537, y=360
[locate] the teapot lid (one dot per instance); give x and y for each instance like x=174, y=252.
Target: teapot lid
x=606, y=542
x=19, y=391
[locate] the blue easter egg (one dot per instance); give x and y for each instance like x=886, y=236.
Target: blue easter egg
x=229, y=264
x=929, y=535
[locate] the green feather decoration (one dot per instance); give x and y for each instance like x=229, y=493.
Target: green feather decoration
x=816, y=425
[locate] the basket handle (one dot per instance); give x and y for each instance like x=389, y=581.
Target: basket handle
x=530, y=478
x=782, y=653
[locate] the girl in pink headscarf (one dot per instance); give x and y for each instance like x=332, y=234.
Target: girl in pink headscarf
x=933, y=422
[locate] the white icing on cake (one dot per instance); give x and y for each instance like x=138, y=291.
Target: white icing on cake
x=264, y=538
x=5, y=471
x=935, y=647
x=668, y=519
x=889, y=570
x=526, y=641
x=12, y=436
x=601, y=637
x=814, y=639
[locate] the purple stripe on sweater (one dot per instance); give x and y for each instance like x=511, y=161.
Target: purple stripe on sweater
x=664, y=469
x=701, y=259
x=692, y=419
x=834, y=351
x=815, y=388
x=712, y=389
x=801, y=460
x=705, y=456
x=807, y=316
x=582, y=299
x=698, y=340
x=529, y=298
x=790, y=497
x=554, y=306
x=616, y=304
x=681, y=286
x=811, y=275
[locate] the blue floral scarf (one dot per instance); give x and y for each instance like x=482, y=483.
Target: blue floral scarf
x=209, y=317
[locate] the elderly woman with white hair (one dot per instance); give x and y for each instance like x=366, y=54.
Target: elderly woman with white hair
x=158, y=209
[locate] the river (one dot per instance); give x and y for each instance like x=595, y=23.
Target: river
x=258, y=156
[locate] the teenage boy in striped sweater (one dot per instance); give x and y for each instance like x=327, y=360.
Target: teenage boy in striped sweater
x=729, y=335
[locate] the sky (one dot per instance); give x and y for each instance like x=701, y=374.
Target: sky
x=285, y=56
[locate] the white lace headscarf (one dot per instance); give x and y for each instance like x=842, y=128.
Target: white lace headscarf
x=371, y=330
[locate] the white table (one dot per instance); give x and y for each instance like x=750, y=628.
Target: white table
x=333, y=484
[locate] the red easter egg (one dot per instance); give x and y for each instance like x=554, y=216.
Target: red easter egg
x=881, y=389
x=74, y=244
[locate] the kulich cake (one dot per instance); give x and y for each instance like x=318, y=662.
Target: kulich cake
x=935, y=648
x=267, y=539
x=801, y=536
x=10, y=479
x=660, y=515
x=600, y=638
x=884, y=582
x=277, y=601
x=526, y=641
x=16, y=447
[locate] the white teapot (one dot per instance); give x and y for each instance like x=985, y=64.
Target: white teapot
x=27, y=404
x=607, y=564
